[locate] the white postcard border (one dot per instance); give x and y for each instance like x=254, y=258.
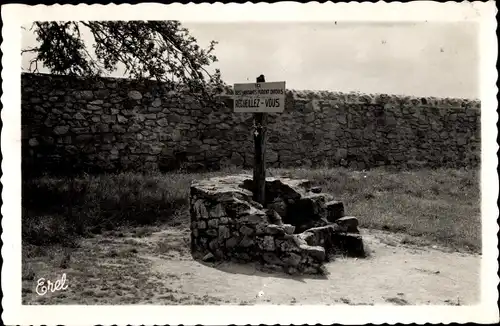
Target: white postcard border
x=14, y=16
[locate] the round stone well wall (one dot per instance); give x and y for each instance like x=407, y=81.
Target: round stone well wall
x=298, y=230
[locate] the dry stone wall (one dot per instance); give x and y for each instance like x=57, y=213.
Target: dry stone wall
x=226, y=224
x=119, y=124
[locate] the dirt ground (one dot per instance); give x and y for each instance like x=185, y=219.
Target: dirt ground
x=154, y=266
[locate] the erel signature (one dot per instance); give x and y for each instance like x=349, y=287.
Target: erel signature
x=44, y=285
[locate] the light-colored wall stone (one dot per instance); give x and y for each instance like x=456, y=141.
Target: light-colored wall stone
x=120, y=124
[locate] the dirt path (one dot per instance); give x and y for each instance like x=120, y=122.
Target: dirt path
x=137, y=268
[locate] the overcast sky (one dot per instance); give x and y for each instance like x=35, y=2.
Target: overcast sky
x=422, y=59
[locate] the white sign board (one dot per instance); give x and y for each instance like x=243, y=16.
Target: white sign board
x=259, y=97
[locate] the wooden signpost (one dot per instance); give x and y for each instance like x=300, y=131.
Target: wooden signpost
x=259, y=98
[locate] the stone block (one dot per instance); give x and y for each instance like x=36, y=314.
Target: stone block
x=224, y=233
x=307, y=211
x=156, y=103
x=260, y=229
x=278, y=206
x=292, y=259
x=213, y=245
x=33, y=142
x=335, y=210
x=93, y=107
x=200, y=209
x=316, y=252
x=121, y=119
x=274, y=229
x=256, y=218
x=135, y=95
x=246, y=242
x=232, y=242
x=213, y=223
x=246, y=230
x=349, y=244
x=289, y=229
x=268, y=243
x=61, y=130
x=211, y=232
x=273, y=217
x=217, y=211
x=272, y=259
x=348, y=224
x=208, y=257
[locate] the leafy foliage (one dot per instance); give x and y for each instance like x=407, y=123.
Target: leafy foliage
x=161, y=50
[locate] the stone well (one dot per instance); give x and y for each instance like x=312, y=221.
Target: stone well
x=299, y=229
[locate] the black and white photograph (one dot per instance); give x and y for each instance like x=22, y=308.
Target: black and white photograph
x=209, y=161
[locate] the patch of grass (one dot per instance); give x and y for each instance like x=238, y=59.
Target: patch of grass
x=143, y=232
x=65, y=259
x=57, y=210
x=28, y=274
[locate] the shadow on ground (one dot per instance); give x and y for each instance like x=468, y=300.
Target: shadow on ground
x=254, y=269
